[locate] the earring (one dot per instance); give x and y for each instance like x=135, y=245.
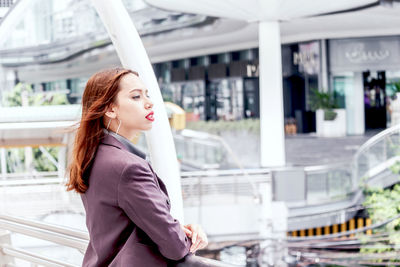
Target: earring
x=108, y=125
x=119, y=125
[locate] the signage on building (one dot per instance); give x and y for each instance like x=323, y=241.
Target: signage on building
x=307, y=58
x=359, y=54
x=253, y=70
x=377, y=53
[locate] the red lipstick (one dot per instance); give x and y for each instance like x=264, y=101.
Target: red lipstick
x=150, y=116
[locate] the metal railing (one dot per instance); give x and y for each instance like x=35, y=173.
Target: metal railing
x=56, y=234
x=227, y=186
x=60, y=235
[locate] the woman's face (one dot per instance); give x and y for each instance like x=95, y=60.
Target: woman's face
x=132, y=107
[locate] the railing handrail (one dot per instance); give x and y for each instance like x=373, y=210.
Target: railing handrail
x=40, y=181
x=61, y=235
x=46, y=226
x=224, y=172
x=367, y=145
x=57, y=234
x=32, y=257
x=375, y=139
x=33, y=174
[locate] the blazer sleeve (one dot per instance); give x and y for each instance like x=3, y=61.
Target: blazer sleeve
x=142, y=200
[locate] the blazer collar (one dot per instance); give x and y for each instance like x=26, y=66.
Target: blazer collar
x=113, y=139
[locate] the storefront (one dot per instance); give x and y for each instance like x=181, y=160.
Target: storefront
x=213, y=87
x=226, y=86
x=301, y=75
x=362, y=74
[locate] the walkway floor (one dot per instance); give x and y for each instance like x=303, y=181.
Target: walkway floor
x=308, y=149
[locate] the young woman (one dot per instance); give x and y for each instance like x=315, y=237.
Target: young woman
x=127, y=205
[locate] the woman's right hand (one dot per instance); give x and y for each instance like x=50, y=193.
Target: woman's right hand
x=197, y=235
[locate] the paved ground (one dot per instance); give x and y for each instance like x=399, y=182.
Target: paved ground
x=301, y=149
x=308, y=149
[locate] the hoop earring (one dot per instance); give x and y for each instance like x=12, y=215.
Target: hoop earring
x=108, y=125
x=119, y=125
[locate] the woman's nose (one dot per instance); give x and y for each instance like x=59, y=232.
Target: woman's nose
x=149, y=104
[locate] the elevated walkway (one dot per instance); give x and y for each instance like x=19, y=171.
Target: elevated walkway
x=37, y=125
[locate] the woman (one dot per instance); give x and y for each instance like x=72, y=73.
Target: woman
x=127, y=205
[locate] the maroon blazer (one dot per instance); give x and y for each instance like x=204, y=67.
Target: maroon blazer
x=128, y=212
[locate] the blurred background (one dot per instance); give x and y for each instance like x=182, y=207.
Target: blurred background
x=285, y=117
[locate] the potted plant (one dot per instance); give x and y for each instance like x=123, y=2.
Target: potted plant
x=330, y=120
x=394, y=107
x=396, y=89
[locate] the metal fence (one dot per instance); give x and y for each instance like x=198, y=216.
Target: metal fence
x=222, y=186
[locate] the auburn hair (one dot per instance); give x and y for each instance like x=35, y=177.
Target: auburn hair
x=101, y=90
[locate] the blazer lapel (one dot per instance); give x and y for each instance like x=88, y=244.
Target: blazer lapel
x=111, y=141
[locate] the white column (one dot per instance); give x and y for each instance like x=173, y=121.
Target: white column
x=132, y=54
x=271, y=96
x=355, y=105
x=8, y=23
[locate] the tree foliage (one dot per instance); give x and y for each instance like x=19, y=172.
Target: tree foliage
x=384, y=204
x=14, y=98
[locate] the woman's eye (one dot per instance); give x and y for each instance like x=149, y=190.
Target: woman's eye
x=136, y=96
x=147, y=96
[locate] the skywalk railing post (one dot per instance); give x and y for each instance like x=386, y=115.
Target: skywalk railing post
x=5, y=238
x=132, y=55
x=272, y=228
x=3, y=163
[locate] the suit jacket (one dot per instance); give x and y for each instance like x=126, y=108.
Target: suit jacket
x=128, y=212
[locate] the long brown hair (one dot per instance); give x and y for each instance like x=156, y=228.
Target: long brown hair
x=100, y=91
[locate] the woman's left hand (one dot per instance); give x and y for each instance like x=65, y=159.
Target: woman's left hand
x=196, y=233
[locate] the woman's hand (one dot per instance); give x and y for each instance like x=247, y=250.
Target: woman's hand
x=197, y=235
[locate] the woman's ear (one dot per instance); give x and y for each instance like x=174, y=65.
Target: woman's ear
x=110, y=113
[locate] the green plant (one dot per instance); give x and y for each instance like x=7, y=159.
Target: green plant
x=324, y=101
x=382, y=204
x=14, y=97
x=396, y=87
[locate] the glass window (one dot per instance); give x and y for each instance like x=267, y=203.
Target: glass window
x=189, y=95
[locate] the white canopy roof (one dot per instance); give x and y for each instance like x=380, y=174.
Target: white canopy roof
x=228, y=34
x=256, y=10
x=37, y=126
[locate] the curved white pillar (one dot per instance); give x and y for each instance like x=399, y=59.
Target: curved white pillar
x=132, y=54
x=12, y=18
x=272, y=134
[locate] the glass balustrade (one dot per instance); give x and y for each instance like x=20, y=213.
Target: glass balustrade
x=328, y=183
x=380, y=153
